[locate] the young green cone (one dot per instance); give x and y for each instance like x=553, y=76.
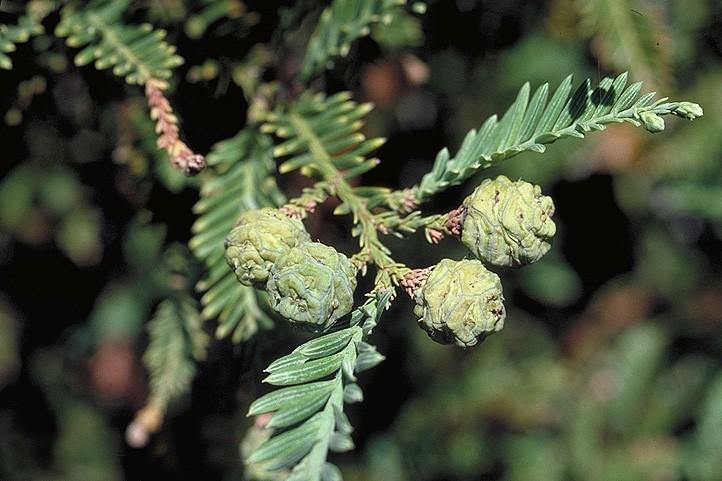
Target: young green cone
x=312, y=285
x=460, y=302
x=258, y=238
x=508, y=223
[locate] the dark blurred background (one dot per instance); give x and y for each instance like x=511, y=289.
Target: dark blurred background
x=610, y=365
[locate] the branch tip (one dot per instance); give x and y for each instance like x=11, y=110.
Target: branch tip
x=181, y=156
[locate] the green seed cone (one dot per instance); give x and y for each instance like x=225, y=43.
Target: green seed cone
x=652, y=122
x=688, y=110
x=258, y=238
x=461, y=302
x=508, y=223
x=312, y=286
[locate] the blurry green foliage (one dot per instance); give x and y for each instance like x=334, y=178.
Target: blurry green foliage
x=136, y=146
x=10, y=35
x=629, y=34
x=403, y=30
x=85, y=449
x=176, y=341
x=704, y=451
x=544, y=415
x=39, y=202
x=9, y=344
x=552, y=282
x=583, y=387
x=679, y=273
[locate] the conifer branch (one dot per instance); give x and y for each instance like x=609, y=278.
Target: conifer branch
x=372, y=249
x=177, y=342
x=318, y=378
x=532, y=123
x=240, y=177
x=141, y=56
x=340, y=24
x=137, y=53
x=301, y=206
x=323, y=139
x=11, y=35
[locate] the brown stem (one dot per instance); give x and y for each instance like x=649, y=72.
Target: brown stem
x=455, y=221
x=166, y=126
x=414, y=279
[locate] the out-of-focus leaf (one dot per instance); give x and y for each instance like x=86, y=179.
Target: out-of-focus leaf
x=404, y=30
x=674, y=395
x=9, y=345
x=79, y=236
x=534, y=456
x=553, y=281
x=666, y=265
x=59, y=191
x=86, y=448
x=143, y=243
x=634, y=363
x=704, y=451
x=16, y=196
x=385, y=460
x=629, y=35
x=120, y=312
